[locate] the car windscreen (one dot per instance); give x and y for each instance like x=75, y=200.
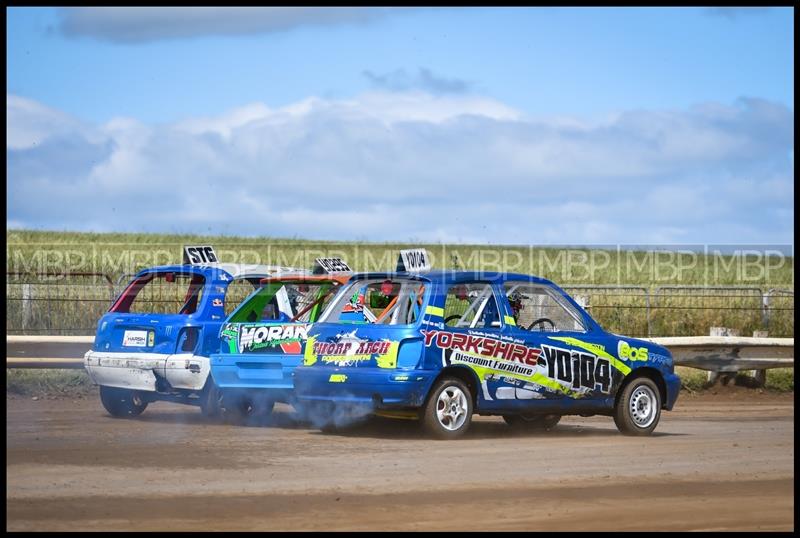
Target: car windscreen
x=166, y=292
x=383, y=301
x=285, y=301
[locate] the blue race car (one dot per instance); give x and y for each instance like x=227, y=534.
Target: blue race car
x=440, y=346
x=263, y=339
x=154, y=343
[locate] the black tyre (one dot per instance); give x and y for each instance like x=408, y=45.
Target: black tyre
x=638, y=408
x=532, y=422
x=448, y=411
x=242, y=408
x=122, y=403
x=210, y=399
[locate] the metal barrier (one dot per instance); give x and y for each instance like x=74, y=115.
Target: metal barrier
x=46, y=351
x=728, y=355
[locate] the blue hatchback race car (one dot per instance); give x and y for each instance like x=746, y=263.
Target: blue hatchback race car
x=154, y=343
x=442, y=345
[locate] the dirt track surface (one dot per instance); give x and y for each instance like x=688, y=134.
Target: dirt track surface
x=715, y=463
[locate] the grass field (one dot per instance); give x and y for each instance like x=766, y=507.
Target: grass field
x=72, y=306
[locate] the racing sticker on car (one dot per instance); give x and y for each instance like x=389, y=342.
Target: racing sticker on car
x=135, y=339
x=627, y=352
x=581, y=370
x=348, y=349
x=260, y=338
x=551, y=368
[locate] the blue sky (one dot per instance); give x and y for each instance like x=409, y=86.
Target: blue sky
x=459, y=125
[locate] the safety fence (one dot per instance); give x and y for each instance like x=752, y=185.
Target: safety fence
x=688, y=310
x=72, y=303
x=56, y=303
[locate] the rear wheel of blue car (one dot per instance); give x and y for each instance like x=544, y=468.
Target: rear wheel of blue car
x=124, y=403
x=242, y=408
x=638, y=407
x=210, y=399
x=532, y=422
x=448, y=412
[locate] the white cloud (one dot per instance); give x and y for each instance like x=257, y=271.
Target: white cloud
x=385, y=108
x=395, y=166
x=30, y=123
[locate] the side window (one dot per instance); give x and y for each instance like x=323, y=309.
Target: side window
x=162, y=293
x=304, y=301
x=378, y=301
x=471, y=305
x=538, y=308
x=286, y=301
x=237, y=291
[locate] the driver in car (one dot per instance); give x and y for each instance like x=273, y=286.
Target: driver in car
x=515, y=300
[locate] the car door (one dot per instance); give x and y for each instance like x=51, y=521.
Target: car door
x=472, y=337
x=573, y=360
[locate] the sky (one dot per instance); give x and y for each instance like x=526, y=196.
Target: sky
x=468, y=125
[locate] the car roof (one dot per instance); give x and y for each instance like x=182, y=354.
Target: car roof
x=304, y=277
x=452, y=276
x=235, y=270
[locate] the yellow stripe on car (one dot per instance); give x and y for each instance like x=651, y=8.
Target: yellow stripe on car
x=435, y=311
x=595, y=349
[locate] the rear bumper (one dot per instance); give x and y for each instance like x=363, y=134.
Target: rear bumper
x=254, y=370
x=673, y=383
x=376, y=387
x=141, y=371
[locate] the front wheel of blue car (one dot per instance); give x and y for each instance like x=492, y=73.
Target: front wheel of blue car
x=638, y=408
x=448, y=412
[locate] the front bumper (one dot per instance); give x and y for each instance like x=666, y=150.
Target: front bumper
x=141, y=371
x=375, y=387
x=673, y=384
